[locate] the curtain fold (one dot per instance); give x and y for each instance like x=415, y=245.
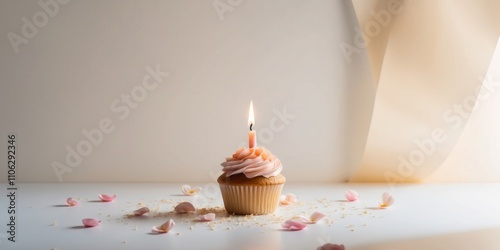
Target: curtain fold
x=431, y=62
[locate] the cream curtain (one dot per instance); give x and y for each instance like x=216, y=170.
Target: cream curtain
x=436, y=115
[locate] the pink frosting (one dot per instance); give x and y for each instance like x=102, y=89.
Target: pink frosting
x=252, y=162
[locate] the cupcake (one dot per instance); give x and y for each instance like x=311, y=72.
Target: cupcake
x=251, y=182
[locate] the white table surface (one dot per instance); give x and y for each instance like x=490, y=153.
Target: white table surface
x=424, y=216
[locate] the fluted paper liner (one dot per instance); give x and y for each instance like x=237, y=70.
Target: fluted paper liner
x=245, y=200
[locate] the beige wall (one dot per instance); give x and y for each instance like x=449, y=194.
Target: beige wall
x=69, y=73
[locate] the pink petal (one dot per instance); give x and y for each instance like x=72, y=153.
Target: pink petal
x=187, y=190
x=107, y=198
x=313, y=219
x=91, y=222
x=387, y=200
x=288, y=199
x=72, y=202
x=207, y=217
x=317, y=216
x=165, y=228
x=184, y=207
x=141, y=211
x=304, y=219
x=293, y=225
x=330, y=246
x=351, y=195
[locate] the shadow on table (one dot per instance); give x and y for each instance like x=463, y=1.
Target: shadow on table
x=484, y=239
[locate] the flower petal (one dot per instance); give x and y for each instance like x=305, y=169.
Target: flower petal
x=91, y=222
x=330, y=246
x=303, y=219
x=187, y=190
x=107, y=198
x=207, y=217
x=288, y=199
x=293, y=225
x=351, y=195
x=313, y=219
x=387, y=200
x=184, y=207
x=141, y=211
x=165, y=227
x=72, y=202
x=317, y=216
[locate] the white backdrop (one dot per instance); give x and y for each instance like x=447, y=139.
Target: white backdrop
x=67, y=69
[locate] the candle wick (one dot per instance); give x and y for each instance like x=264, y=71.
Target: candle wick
x=251, y=124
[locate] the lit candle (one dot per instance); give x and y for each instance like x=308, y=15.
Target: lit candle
x=252, y=137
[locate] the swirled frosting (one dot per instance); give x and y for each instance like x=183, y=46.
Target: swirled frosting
x=252, y=162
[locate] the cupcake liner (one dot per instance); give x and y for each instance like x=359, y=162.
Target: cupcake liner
x=245, y=200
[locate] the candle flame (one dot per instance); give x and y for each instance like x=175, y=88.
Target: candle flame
x=251, y=121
